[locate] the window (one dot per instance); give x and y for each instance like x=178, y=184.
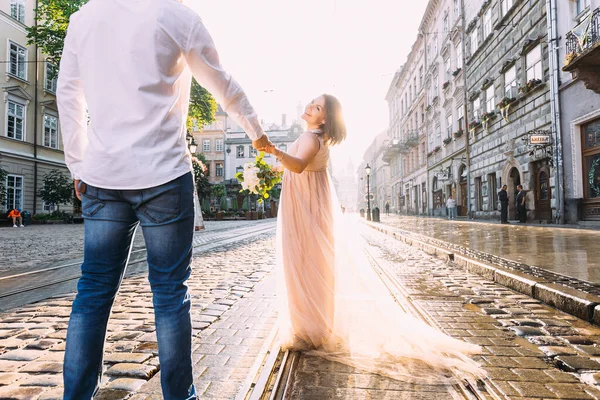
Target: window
x=487, y=23
x=206, y=145
x=456, y=8
x=421, y=77
x=492, y=192
x=253, y=152
x=459, y=56
x=474, y=40
x=14, y=192
x=283, y=147
x=51, y=78
x=476, y=108
x=239, y=169
x=461, y=117
x=219, y=169
x=17, y=10
x=490, y=102
x=240, y=152
x=447, y=68
x=435, y=86
x=18, y=60
x=506, y=5
x=510, y=80
x=533, y=62
x=446, y=23
x=449, y=126
x=219, y=145
x=49, y=207
x=51, y=131
x=478, y=194
x=15, y=126
x=415, y=85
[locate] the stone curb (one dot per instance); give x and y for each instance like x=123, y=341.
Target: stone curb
x=571, y=301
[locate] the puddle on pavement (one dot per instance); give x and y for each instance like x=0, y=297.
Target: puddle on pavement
x=472, y=307
x=521, y=341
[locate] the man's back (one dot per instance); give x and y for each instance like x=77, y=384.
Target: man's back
x=130, y=60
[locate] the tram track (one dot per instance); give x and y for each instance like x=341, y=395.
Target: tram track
x=31, y=286
x=273, y=374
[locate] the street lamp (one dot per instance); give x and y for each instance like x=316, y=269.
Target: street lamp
x=225, y=170
x=368, y=172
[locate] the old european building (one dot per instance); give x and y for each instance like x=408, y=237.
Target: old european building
x=210, y=142
x=508, y=80
x=30, y=141
x=578, y=30
x=445, y=112
x=239, y=150
x=379, y=178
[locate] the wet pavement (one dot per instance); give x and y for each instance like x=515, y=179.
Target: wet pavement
x=571, y=252
x=530, y=350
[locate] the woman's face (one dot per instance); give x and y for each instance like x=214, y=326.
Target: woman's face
x=314, y=113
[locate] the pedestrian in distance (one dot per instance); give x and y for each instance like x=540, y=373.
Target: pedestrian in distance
x=451, y=206
x=387, y=208
x=16, y=216
x=521, y=205
x=503, y=198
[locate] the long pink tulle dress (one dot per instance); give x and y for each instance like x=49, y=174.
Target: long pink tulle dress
x=333, y=304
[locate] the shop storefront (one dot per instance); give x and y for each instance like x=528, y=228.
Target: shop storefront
x=591, y=170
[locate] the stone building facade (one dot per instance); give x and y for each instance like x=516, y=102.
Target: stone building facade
x=577, y=27
x=508, y=80
x=30, y=140
x=445, y=111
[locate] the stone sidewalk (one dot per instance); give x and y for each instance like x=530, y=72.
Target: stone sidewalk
x=232, y=315
x=566, y=251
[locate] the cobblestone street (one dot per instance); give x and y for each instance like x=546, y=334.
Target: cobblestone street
x=43, y=245
x=530, y=350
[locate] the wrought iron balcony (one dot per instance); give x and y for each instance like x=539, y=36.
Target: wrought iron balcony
x=409, y=141
x=390, y=150
x=583, y=51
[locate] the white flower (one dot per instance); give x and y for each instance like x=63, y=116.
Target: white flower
x=251, y=179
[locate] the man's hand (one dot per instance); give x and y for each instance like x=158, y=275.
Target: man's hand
x=261, y=143
x=77, y=192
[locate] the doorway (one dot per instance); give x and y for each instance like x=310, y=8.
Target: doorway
x=543, y=195
x=462, y=202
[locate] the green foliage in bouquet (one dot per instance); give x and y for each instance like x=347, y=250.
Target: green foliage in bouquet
x=260, y=179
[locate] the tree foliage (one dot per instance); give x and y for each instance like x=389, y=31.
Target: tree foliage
x=202, y=107
x=52, y=17
x=57, y=188
x=201, y=177
x=218, y=191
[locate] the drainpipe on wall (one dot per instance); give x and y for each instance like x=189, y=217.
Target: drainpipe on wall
x=35, y=124
x=551, y=12
x=466, y=110
x=429, y=205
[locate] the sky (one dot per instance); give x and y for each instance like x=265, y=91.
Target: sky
x=284, y=52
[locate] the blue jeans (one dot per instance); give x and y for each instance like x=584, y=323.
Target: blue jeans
x=166, y=214
x=451, y=212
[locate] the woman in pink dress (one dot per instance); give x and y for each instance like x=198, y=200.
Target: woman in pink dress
x=332, y=303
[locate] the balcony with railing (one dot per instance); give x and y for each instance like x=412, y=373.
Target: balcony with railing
x=390, y=150
x=583, y=51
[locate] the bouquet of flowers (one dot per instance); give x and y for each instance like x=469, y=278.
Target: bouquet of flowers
x=258, y=178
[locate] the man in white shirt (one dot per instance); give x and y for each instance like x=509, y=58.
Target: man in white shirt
x=129, y=64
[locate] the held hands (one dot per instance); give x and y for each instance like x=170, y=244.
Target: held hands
x=261, y=143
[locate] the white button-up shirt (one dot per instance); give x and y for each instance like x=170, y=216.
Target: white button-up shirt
x=129, y=63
